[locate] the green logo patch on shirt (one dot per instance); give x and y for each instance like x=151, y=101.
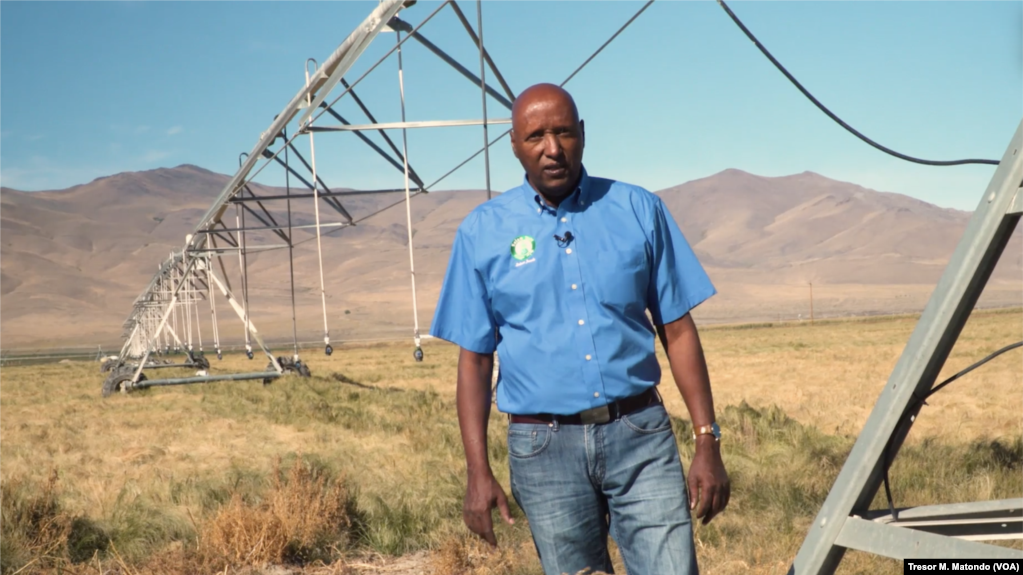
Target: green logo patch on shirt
x=522, y=247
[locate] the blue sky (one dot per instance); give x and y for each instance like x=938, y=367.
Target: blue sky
x=91, y=89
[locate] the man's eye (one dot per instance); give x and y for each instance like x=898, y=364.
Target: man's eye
x=534, y=138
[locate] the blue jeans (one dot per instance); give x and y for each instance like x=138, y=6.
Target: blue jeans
x=578, y=482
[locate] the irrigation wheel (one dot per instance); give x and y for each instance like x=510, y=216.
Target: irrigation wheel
x=116, y=380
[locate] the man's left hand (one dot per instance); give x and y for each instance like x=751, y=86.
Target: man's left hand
x=708, y=480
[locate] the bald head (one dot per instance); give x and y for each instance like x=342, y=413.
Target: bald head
x=542, y=95
x=548, y=139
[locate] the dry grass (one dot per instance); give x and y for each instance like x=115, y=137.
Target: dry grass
x=164, y=473
x=305, y=518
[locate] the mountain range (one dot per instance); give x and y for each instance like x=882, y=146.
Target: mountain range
x=72, y=261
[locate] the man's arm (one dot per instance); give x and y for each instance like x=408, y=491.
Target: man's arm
x=708, y=480
x=483, y=492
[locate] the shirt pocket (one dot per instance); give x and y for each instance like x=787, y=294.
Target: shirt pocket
x=621, y=279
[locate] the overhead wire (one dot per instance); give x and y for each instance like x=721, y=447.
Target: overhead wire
x=913, y=409
x=910, y=413
x=835, y=117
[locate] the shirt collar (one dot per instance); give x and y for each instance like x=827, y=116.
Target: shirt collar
x=580, y=196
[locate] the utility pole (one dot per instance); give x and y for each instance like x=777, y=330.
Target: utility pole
x=811, y=303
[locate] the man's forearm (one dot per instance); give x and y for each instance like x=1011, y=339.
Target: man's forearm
x=689, y=368
x=708, y=481
x=473, y=399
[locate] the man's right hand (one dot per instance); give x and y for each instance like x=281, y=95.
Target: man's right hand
x=481, y=496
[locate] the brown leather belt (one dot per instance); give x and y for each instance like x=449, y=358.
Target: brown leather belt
x=602, y=414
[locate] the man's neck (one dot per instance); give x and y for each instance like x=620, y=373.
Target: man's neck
x=555, y=201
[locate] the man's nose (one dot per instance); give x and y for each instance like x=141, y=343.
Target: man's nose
x=551, y=145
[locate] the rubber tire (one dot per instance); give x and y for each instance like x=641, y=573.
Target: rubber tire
x=201, y=362
x=116, y=380
x=108, y=365
x=303, y=370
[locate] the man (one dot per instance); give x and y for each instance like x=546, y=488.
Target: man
x=558, y=275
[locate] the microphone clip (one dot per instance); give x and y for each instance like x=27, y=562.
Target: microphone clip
x=564, y=241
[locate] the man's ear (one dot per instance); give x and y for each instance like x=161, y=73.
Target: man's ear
x=582, y=132
x=512, y=141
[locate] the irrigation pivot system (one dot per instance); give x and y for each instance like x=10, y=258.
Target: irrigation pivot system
x=210, y=277
x=211, y=273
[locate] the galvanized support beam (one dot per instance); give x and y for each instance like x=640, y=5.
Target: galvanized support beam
x=330, y=201
x=408, y=125
x=955, y=296
x=206, y=379
x=342, y=59
x=977, y=521
x=395, y=163
x=399, y=24
x=1017, y=203
x=236, y=199
x=483, y=50
x=268, y=228
x=902, y=543
x=977, y=509
x=246, y=320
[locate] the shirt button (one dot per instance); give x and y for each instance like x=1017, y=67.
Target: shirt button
x=568, y=251
x=588, y=358
x=564, y=219
x=538, y=210
x=581, y=322
x=596, y=394
x=574, y=286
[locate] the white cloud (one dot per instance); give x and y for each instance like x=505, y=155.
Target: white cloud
x=154, y=156
x=175, y=130
x=141, y=129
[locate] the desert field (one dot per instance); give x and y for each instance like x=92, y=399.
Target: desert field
x=358, y=469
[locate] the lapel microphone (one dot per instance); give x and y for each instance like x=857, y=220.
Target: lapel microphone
x=564, y=240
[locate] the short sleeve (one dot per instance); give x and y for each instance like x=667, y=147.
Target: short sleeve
x=678, y=282
x=463, y=315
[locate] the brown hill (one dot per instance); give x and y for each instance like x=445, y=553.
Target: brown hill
x=807, y=227
x=72, y=261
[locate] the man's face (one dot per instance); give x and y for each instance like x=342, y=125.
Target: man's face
x=548, y=139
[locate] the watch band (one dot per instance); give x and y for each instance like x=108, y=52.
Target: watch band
x=711, y=429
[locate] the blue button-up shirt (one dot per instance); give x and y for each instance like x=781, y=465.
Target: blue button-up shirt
x=562, y=294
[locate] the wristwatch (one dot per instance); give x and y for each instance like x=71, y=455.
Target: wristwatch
x=711, y=429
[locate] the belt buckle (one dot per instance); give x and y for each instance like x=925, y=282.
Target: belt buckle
x=597, y=415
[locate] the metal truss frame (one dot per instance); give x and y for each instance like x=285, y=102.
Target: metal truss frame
x=161, y=319
x=845, y=521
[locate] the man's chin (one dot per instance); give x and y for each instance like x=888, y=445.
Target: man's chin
x=556, y=187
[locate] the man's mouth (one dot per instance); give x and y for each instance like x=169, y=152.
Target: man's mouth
x=555, y=171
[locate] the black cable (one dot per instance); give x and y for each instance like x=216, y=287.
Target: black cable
x=921, y=401
x=831, y=115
